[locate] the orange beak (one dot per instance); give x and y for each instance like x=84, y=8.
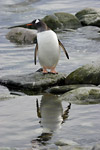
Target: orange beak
x=29, y=24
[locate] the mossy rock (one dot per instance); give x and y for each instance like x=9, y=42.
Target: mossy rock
x=83, y=95
x=89, y=16
x=52, y=22
x=68, y=20
x=62, y=21
x=87, y=74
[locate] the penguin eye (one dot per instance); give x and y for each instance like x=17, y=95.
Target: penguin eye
x=37, y=21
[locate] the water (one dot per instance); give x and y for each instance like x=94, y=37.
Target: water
x=19, y=124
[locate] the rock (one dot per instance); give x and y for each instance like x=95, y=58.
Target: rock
x=63, y=142
x=89, y=16
x=22, y=36
x=87, y=74
x=66, y=88
x=5, y=94
x=52, y=22
x=68, y=21
x=82, y=95
x=33, y=82
x=62, y=21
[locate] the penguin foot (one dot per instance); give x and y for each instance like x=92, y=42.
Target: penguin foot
x=53, y=71
x=45, y=71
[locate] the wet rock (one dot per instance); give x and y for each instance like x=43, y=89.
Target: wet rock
x=82, y=95
x=33, y=82
x=5, y=94
x=89, y=16
x=21, y=35
x=87, y=74
x=66, y=88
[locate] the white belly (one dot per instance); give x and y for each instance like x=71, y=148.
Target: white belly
x=48, y=49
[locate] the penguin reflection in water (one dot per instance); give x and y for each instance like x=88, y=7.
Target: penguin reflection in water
x=51, y=116
x=47, y=47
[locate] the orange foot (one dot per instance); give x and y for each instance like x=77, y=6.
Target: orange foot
x=45, y=71
x=53, y=71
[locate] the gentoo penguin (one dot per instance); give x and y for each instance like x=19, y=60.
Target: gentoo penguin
x=47, y=47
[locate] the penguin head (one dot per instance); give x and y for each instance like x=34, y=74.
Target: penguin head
x=38, y=25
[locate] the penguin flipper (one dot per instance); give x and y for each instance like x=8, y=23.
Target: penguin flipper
x=35, y=53
x=63, y=48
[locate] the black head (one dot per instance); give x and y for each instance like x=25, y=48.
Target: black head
x=39, y=25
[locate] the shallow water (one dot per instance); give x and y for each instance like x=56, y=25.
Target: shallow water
x=19, y=124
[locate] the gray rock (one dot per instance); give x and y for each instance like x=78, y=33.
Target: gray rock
x=83, y=95
x=22, y=35
x=89, y=16
x=66, y=88
x=33, y=82
x=87, y=74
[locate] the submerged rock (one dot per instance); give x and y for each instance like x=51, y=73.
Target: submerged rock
x=22, y=35
x=89, y=16
x=33, y=82
x=87, y=74
x=82, y=95
x=66, y=88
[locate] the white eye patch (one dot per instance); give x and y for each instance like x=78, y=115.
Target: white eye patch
x=37, y=21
